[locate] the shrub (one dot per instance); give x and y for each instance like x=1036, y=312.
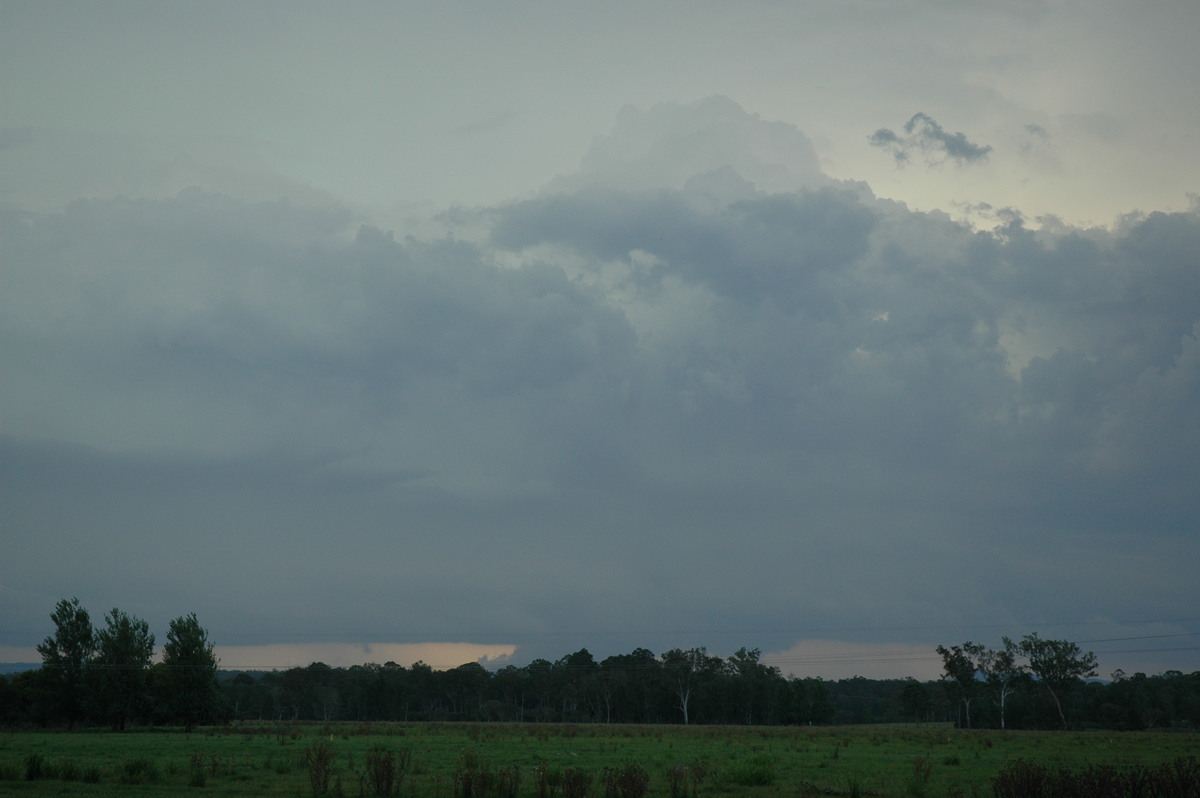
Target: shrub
x=576, y=782
x=381, y=771
x=473, y=778
x=548, y=780
x=677, y=781
x=319, y=759
x=508, y=781
x=631, y=781
x=386, y=769
x=684, y=780
x=1020, y=779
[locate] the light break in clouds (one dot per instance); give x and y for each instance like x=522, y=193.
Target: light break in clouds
x=708, y=381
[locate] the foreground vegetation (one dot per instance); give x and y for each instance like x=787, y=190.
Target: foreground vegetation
x=572, y=760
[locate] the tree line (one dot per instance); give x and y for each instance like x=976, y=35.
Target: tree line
x=1037, y=691
x=106, y=676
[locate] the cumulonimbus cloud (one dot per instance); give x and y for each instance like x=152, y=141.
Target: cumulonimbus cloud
x=611, y=395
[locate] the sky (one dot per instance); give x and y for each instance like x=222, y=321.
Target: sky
x=493, y=331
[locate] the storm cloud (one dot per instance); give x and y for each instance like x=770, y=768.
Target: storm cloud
x=607, y=415
x=507, y=333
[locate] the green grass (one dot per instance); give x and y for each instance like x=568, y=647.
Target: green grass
x=256, y=760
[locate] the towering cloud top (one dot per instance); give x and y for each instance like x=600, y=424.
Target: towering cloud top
x=668, y=144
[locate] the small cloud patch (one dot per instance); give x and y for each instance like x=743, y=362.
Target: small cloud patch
x=923, y=134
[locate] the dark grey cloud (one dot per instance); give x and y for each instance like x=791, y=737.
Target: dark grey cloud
x=700, y=414
x=923, y=134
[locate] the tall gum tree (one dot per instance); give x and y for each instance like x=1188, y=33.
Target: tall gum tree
x=1002, y=673
x=1059, y=665
x=960, y=665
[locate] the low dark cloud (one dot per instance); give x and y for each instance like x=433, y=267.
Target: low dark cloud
x=924, y=135
x=702, y=414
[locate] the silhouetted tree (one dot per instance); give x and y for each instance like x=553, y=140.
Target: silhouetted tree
x=65, y=657
x=189, y=684
x=120, y=668
x=960, y=664
x=1002, y=673
x=1059, y=666
x=914, y=700
x=685, y=671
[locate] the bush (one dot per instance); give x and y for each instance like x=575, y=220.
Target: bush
x=508, y=781
x=685, y=780
x=319, y=759
x=473, y=778
x=576, y=783
x=548, y=780
x=386, y=769
x=631, y=781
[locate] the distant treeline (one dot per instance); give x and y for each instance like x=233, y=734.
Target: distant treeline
x=689, y=686
x=105, y=676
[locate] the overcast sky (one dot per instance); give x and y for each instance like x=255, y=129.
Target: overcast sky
x=835, y=329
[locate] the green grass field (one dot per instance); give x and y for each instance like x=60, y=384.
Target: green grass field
x=270, y=759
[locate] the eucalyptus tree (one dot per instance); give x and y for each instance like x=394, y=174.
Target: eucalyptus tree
x=1058, y=665
x=960, y=666
x=685, y=671
x=1002, y=673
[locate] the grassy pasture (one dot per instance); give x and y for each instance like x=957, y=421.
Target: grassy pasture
x=269, y=759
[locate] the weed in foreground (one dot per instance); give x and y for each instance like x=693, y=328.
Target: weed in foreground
x=758, y=770
x=385, y=770
x=37, y=768
x=197, y=771
x=918, y=782
x=1021, y=779
x=576, y=782
x=631, y=781
x=319, y=758
x=139, y=771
